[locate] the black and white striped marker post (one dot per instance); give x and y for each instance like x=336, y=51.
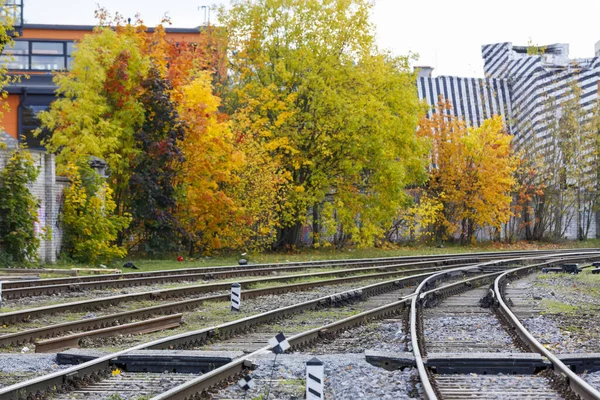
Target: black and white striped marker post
x=236, y=296
x=0, y=294
x=246, y=383
x=315, y=374
x=279, y=344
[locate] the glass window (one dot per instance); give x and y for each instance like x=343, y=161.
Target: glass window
x=12, y=10
x=18, y=47
x=32, y=141
x=46, y=56
x=30, y=121
x=15, y=62
x=47, y=63
x=71, y=47
x=30, y=115
x=47, y=48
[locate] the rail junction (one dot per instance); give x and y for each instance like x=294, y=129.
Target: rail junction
x=417, y=293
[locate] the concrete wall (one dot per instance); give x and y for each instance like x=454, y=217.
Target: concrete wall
x=48, y=191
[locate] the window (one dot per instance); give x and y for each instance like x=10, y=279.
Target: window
x=31, y=106
x=12, y=9
x=38, y=55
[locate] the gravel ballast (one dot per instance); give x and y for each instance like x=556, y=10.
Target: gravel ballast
x=347, y=376
x=569, y=306
x=16, y=368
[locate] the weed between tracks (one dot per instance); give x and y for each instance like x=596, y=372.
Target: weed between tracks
x=62, y=298
x=570, y=305
x=307, y=254
x=215, y=313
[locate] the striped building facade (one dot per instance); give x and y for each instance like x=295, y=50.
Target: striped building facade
x=525, y=85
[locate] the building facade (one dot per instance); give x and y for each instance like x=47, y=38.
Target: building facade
x=527, y=86
x=38, y=52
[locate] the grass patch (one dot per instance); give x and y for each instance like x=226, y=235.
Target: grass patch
x=557, y=307
x=307, y=254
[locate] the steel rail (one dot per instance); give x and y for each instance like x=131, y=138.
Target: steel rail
x=140, y=327
x=27, y=314
x=475, y=257
x=578, y=385
x=15, y=293
x=12, y=292
x=192, y=388
x=420, y=297
x=95, y=367
x=226, y=372
x=18, y=338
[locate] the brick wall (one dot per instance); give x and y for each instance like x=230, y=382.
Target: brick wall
x=48, y=190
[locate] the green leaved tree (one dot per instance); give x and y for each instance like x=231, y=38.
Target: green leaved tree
x=335, y=113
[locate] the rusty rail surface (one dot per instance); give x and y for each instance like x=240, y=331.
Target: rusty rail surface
x=97, y=368
x=423, y=295
x=577, y=384
x=71, y=341
x=85, y=305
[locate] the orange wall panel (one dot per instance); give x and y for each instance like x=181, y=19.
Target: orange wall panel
x=59, y=34
x=10, y=121
x=53, y=34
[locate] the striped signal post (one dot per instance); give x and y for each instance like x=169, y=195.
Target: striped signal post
x=0, y=294
x=246, y=383
x=236, y=296
x=279, y=344
x=315, y=374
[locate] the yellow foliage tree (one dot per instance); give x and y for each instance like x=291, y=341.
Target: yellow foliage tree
x=206, y=209
x=91, y=227
x=471, y=173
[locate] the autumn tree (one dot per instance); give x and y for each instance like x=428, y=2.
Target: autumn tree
x=18, y=207
x=90, y=224
x=336, y=114
x=99, y=108
x=471, y=173
x=131, y=98
x=155, y=167
x=565, y=162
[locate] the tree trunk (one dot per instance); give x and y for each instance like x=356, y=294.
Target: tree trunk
x=288, y=236
x=316, y=224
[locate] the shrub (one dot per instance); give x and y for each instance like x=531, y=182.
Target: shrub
x=88, y=218
x=18, y=208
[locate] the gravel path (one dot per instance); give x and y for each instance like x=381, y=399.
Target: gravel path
x=347, y=376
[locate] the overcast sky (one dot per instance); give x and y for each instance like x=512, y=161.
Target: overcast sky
x=446, y=34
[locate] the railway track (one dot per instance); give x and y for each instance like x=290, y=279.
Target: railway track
x=19, y=292
x=461, y=348
x=376, y=299
x=193, y=291
x=25, y=288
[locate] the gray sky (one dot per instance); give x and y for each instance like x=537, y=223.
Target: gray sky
x=446, y=34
